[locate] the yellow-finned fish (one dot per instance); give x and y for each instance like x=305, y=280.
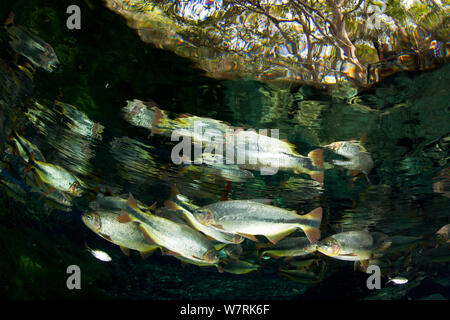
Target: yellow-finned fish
x=288, y=247
x=249, y=218
x=25, y=148
x=125, y=235
x=181, y=203
x=237, y=266
x=55, y=176
x=264, y=152
x=354, y=245
x=177, y=239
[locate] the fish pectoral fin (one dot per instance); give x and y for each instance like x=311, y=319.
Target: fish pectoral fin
x=218, y=226
x=274, y=238
x=248, y=236
x=124, y=217
x=125, y=251
x=148, y=253
x=105, y=236
x=312, y=233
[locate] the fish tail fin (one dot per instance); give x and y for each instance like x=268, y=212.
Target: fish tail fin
x=317, y=176
x=313, y=233
x=157, y=120
x=316, y=157
x=31, y=162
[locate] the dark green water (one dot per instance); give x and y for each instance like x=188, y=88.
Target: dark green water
x=405, y=118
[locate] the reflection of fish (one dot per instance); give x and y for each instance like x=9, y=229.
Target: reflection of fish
x=288, y=247
x=354, y=245
x=443, y=233
x=230, y=172
x=358, y=158
x=55, y=176
x=249, y=218
x=262, y=152
x=177, y=239
x=25, y=148
x=126, y=235
x=179, y=202
x=36, y=50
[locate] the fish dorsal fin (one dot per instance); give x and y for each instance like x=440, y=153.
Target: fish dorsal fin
x=153, y=206
x=132, y=202
x=274, y=238
x=363, y=138
x=123, y=217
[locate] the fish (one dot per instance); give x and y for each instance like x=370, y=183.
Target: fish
x=302, y=264
x=149, y=116
x=125, y=235
x=443, y=234
x=397, y=280
x=36, y=50
x=25, y=148
x=229, y=172
x=359, y=160
x=99, y=254
x=55, y=176
x=236, y=266
x=249, y=218
x=354, y=245
x=288, y=247
x=181, y=203
x=113, y=203
x=301, y=276
x=200, y=129
x=263, y=152
x=14, y=190
x=233, y=250
x=79, y=121
x=175, y=238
